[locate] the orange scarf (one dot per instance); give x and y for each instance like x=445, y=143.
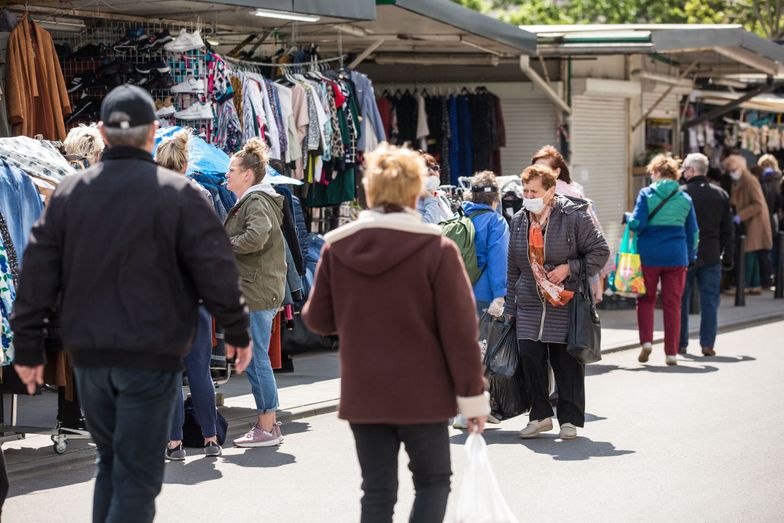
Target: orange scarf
x=554, y=293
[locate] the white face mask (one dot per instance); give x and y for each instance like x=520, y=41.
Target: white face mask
x=735, y=175
x=534, y=205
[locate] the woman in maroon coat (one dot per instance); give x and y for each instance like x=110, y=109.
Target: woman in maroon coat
x=396, y=293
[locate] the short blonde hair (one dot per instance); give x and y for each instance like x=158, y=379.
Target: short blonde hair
x=541, y=172
x=666, y=166
x=84, y=141
x=393, y=176
x=254, y=155
x=768, y=160
x=172, y=152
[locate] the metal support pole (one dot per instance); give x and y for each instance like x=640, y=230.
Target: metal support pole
x=779, y=294
x=740, y=272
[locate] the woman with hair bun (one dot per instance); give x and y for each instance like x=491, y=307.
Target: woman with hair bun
x=253, y=226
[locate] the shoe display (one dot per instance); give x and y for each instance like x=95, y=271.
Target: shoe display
x=87, y=51
x=131, y=39
x=536, y=427
x=645, y=353
x=159, y=64
x=185, y=42
x=80, y=82
x=672, y=360
x=568, y=431
x=140, y=80
x=212, y=450
x=161, y=81
x=197, y=111
x=257, y=437
x=84, y=107
x=176, y=454
x=189, y=85
x=165, y=108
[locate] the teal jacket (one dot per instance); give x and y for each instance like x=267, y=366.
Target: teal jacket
x=671, y=238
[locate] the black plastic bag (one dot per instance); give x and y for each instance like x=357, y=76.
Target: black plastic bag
x=191, y=431
x=509, y=392
x=491, y=329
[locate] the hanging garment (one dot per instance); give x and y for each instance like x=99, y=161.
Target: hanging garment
x=228, y=135
x=385, y=109
x=454, y=142
x=293, y=142
x=7, y=297
x=35, y=158
x=466, y=137
x=20, y=203
x=35, y=88
x=299, y=103
x=423, y=129
x=371, y=115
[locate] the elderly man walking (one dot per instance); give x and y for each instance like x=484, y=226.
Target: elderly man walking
x=131, y=248
x=714, y=218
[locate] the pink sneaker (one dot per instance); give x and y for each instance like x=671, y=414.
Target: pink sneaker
x=257, y=437
x=276, y=431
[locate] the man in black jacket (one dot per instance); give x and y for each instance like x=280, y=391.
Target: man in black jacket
x=130, y=248
x=714, y=217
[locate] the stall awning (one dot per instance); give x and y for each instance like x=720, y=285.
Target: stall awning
x=344, y=9
x=719, y=49
x=764, y=102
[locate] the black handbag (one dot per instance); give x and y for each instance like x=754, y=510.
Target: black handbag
x=584, y=339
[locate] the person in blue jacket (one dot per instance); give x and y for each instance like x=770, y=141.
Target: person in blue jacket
x=667, y=236
x=491, y=240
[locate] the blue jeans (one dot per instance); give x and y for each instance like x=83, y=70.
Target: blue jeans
x=708, y=279
x=128, y=414
x=260, y=375
x=197, y=367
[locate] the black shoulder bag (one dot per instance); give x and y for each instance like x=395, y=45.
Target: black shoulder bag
x=584, y=339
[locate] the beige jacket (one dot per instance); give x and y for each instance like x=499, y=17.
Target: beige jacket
x=750, y=205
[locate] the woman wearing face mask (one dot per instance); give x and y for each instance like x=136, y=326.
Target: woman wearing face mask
x=666, y=225
x=565, y=186
x=553, y=240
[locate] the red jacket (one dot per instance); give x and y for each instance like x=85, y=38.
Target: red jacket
x=396, y=293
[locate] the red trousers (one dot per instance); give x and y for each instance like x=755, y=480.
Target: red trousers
x=673, y=281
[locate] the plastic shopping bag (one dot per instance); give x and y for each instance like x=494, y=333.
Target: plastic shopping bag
x=509, y=391
x=627, y=279
x=490, y=331
x=480, y=499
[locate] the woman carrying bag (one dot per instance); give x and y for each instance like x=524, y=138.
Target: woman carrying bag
x=553, y=241
x=667, y=235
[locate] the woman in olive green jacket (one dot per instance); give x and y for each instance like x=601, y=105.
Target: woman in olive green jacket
x=253, y=226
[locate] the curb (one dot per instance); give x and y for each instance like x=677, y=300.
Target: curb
x=241, y=422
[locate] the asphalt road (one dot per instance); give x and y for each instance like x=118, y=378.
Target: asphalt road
x=697, y=442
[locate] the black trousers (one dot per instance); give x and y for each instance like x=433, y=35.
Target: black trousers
x=569, y=378
x=427, y=446
x=129, y=415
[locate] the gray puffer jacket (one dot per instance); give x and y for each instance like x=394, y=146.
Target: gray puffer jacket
x=569, y=235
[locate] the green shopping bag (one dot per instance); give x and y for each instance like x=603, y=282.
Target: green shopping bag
x=627, y=279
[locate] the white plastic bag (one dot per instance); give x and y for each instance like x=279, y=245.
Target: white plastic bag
x=480, y=499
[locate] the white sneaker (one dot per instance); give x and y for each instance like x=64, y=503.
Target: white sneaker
x=166, y=110
x=672, y=360
x=645, y=353
x=534, y=428
x=568, y=431
x=185, y=42
x=189, y=85
x=197, y=111
x=460, y=422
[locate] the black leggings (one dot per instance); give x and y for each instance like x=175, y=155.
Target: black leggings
x=569, y=378
x=428, y=451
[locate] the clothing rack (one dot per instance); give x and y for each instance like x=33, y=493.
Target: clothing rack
x=312, y=63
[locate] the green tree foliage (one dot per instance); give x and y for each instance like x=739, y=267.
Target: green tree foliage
x=765, y=17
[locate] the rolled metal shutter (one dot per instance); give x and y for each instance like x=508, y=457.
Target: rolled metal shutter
x=600, y=158
x=530, y=123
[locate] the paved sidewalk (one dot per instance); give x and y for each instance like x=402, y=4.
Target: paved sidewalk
x=314, y=388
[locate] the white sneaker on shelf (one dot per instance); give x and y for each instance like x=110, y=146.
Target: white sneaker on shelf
x=197, y=111
x=535, y=427
x=189, y=85
x=185, y=42
x=166, y=110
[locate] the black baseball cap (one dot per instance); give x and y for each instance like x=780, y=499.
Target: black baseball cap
x=127, y=106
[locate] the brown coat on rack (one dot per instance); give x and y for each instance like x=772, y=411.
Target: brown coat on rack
x=35, y=88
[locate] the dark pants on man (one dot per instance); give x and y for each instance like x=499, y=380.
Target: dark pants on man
x=569, y=380
x=708, y=281
x=427, y=446
x=129, y=415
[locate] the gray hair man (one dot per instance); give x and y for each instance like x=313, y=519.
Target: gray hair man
x=130, y=248
x=714, y=218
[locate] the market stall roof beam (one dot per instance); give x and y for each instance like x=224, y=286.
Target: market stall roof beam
x=720, y=111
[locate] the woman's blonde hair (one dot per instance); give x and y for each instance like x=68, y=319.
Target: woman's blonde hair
x=768, y=160
x=666, y=166
x=84, y=141
x=393, y=176
x=172, y=153
x=254, y=155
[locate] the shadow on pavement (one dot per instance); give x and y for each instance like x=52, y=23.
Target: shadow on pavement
x=259, y=458
x=677, y=369
x=719, y=359
x=192, y=472
x=41, y=482
x=597, y=369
